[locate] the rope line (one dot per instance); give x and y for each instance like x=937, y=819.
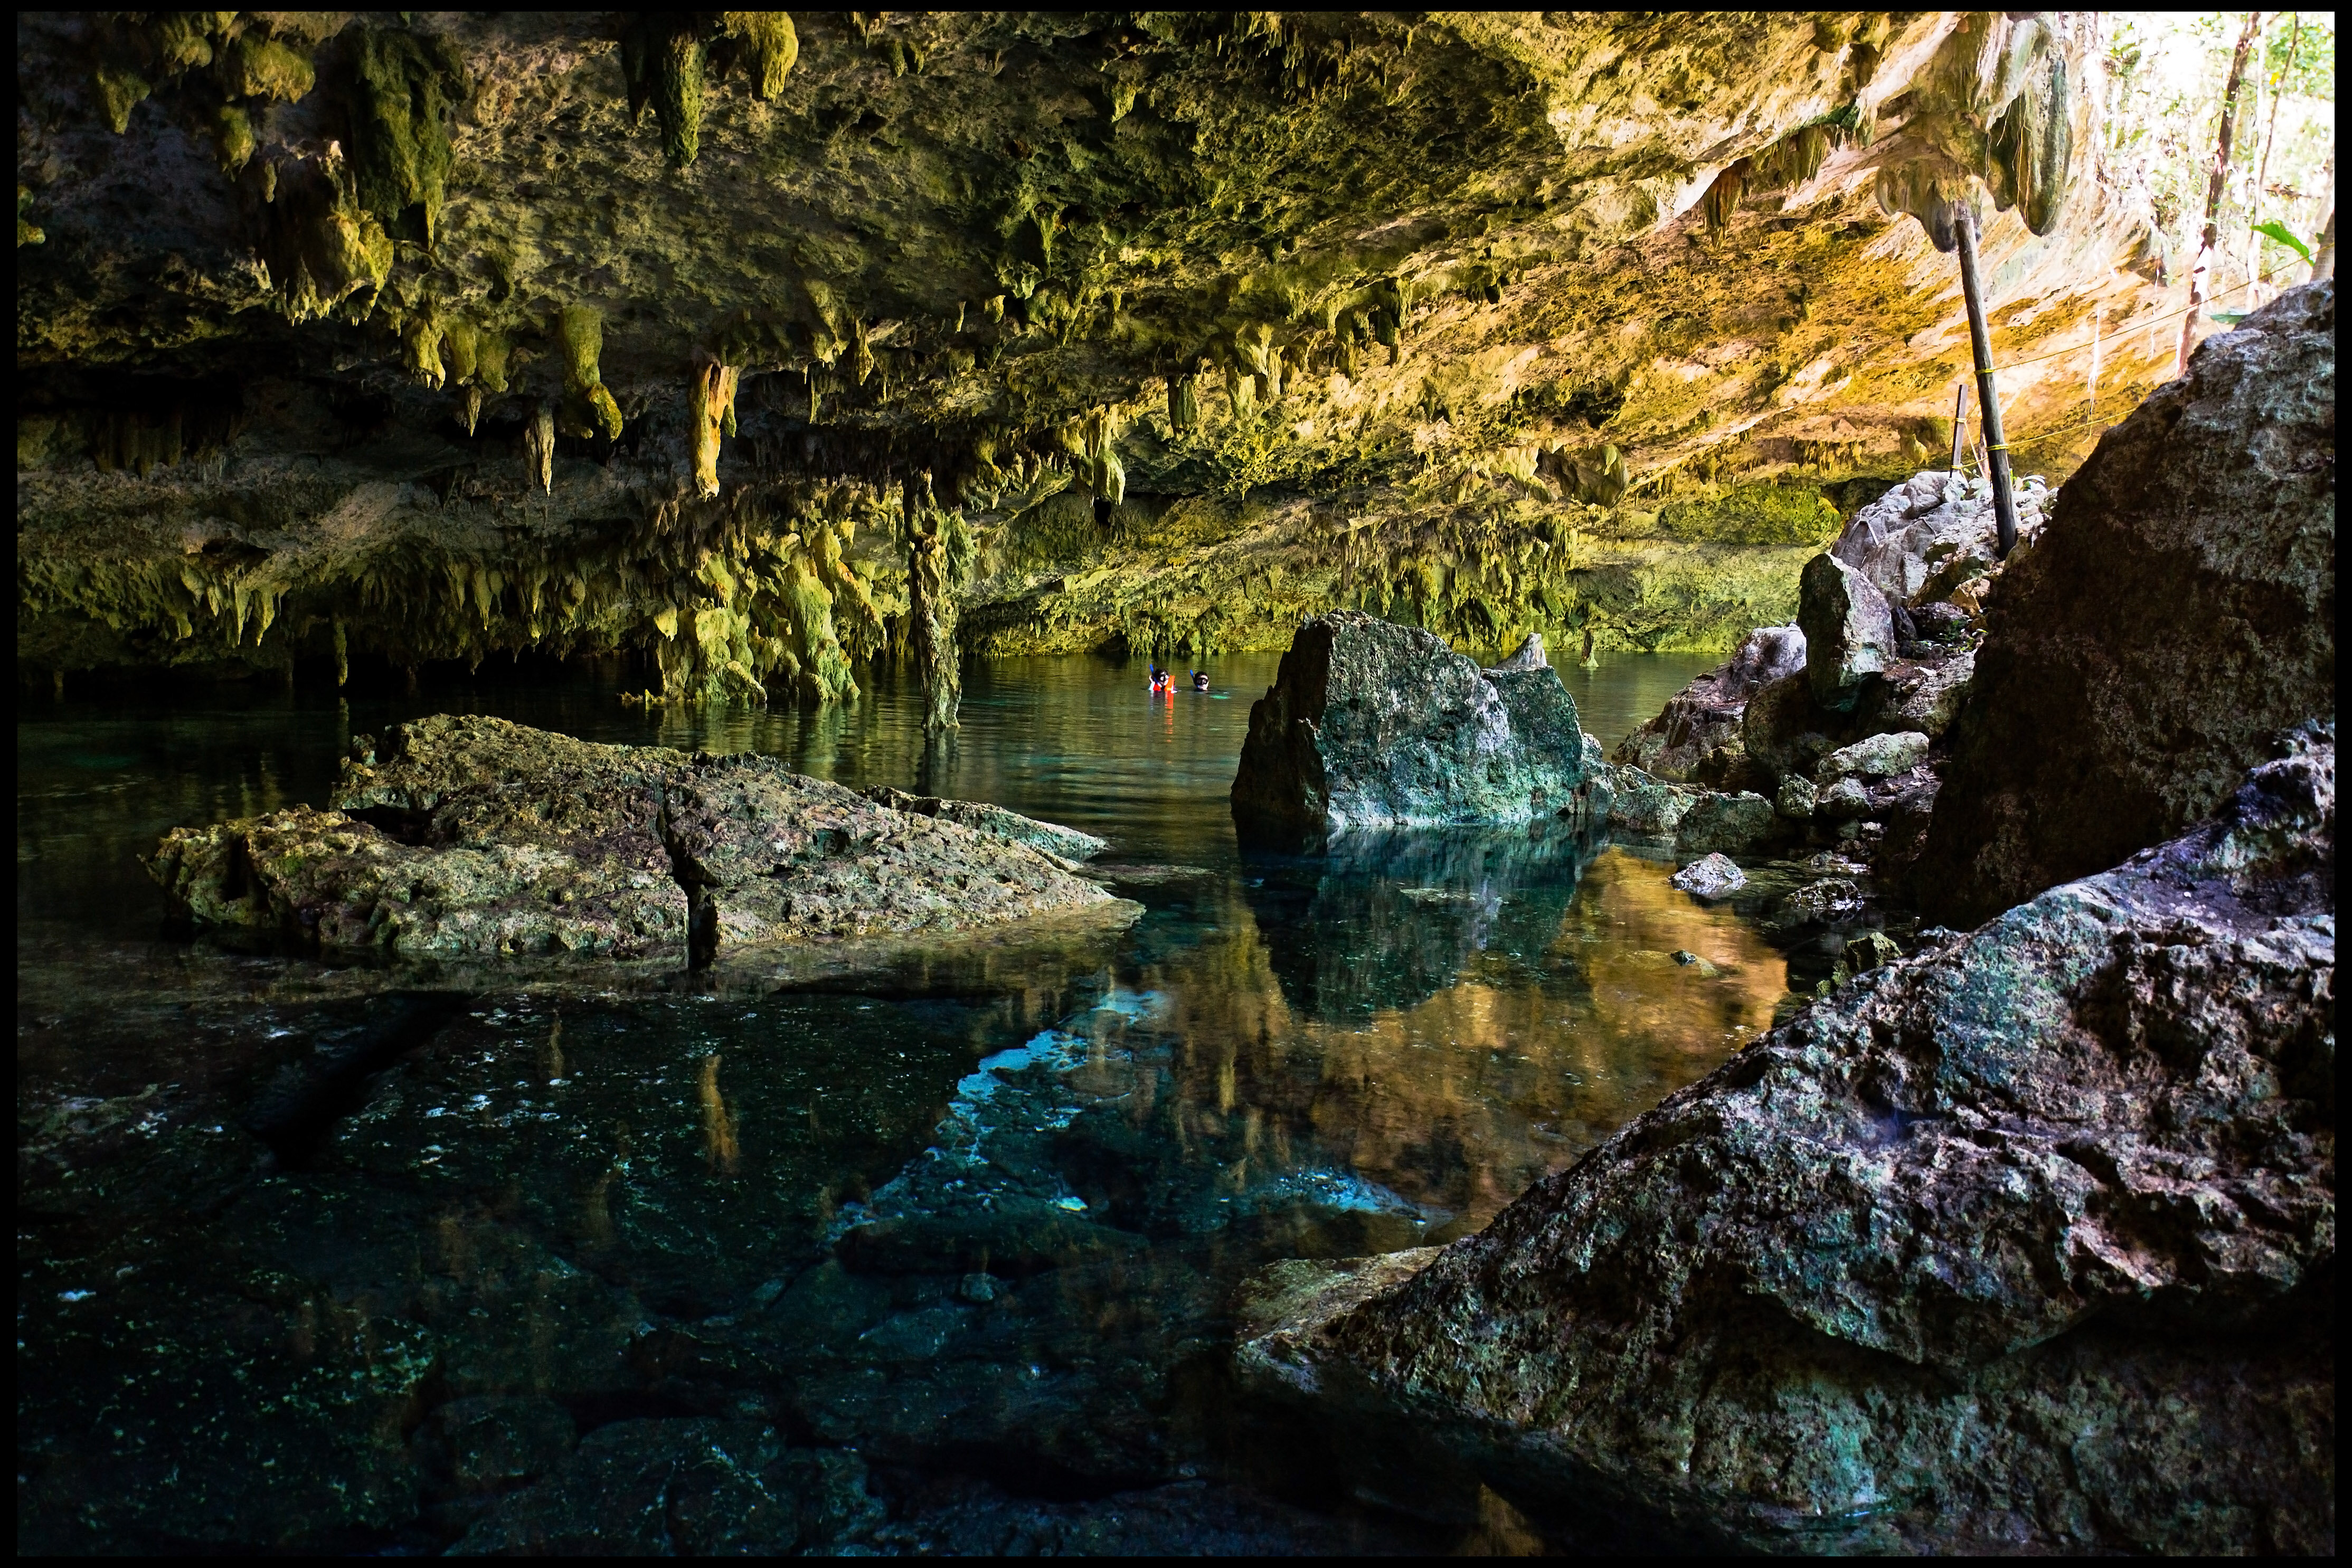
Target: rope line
x=2123, y=329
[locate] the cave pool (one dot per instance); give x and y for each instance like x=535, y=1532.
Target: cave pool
x=1047, y=1168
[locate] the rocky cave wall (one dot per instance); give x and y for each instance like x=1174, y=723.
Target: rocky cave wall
x=427, y=336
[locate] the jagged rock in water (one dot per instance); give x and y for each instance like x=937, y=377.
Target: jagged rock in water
x=1786, y=730
x=1644, y=805
x=1923, y=693
x=1796, y=797
x=1925, y=537
x=1052, y=837
x=1710, y=877
x=1875, y=757
x=1704, y=718
x=2179, y=609
x=1371, y=724
x=2023, y=1245
x=475, y=837
x=1849, y=631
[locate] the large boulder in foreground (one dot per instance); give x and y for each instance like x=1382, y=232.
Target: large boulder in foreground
x=475, y=837
x=1369, y=724
x=2023, y=1245
x=2179, y=609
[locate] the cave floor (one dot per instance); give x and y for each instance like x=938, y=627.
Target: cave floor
x=941, y=1257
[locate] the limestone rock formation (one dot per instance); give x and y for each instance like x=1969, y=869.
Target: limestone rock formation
x=1645, y=806
x=2023, y=1243
x=476, y=837
x=995, y=822
x=426, y=341
x=1849, y=631
x=1737, y=823
x=1699, y=729
x=1711, y=877
x=1932, y=533
x=2178, y=610
x=1369, y=724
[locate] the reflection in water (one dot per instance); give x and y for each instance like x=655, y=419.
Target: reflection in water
x=720, y=1149
x=999, y=1195
x=1379, y=921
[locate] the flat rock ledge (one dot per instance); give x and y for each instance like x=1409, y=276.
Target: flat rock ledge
x=1371, y=724
x=2023, y=1243
x=465, y=838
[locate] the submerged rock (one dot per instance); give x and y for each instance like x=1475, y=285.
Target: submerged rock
x=1369, y=724
x=684, y=1488
x=475, y=837
x=1711, y=878
x=2179, y=611
x=2026, y=1244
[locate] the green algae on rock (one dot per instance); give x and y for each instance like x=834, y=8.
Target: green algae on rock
x=473, y=838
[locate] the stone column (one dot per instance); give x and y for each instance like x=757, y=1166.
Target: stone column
x=938, y=556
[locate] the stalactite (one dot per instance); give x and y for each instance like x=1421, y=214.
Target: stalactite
x=588, y=405
x=713, y=407
x=1183, y=404
x=539, y=442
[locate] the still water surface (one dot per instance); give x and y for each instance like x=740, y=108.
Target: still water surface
x=977, y=1222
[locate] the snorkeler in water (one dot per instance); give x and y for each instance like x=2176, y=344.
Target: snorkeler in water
x=1200, y=680
x=1159, y=679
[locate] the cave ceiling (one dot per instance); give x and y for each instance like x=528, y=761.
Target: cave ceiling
x=330, y=309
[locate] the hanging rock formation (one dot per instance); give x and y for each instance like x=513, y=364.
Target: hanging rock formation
x=2179, y=611
x=2022, y=1245
x=1201, y=323
x=1374, y=725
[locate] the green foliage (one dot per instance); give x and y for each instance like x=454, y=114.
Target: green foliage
x=2278, y=231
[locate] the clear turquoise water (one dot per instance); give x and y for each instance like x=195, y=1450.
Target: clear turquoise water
x=978, y=1222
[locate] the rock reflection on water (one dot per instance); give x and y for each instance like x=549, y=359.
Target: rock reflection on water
x=932, y=1234
x=1453, y=1017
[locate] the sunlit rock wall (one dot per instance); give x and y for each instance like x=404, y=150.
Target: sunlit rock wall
x=348, y=337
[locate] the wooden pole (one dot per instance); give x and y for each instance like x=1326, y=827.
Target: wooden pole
x=1996, y=448
x=2097, y=313
x=2199, y=275
x=1959, y=421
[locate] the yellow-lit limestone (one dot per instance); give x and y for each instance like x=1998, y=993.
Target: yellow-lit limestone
x=588, y=405
x=714, y=414
x=1275, y=316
